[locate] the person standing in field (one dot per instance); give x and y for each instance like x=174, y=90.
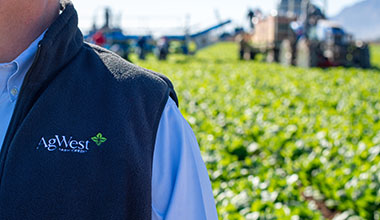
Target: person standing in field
x=163, y=48
x=86, y=135
x=99, y=38
x=141, y=45
x=246, y=52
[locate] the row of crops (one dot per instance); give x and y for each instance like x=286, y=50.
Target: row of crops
x=282, y=142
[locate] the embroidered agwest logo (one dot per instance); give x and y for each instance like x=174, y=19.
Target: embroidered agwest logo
x=69, y=144
x=99, y=139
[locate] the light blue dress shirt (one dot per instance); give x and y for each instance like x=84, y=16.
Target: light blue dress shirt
x=181, y=188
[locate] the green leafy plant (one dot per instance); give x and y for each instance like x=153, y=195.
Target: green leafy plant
x=282, y=142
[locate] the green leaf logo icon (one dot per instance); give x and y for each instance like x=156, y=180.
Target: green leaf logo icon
x=99, y=139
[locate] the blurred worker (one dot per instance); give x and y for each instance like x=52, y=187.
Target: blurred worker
x=251, y=15
x=246, y=52
x=163, y=45
x=99, y=38
x=141, y=46
x=185, y=47
x=121, y=47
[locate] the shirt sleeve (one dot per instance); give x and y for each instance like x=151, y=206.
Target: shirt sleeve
x=181, y=188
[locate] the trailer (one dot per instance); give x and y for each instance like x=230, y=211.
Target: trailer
x=269, y=33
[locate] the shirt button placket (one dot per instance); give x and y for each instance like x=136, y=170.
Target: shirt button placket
x=14, y=92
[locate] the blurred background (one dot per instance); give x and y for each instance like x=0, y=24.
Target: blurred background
x=283, y=96
x=163, y=17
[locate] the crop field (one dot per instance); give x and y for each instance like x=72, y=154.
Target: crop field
x=282, y=142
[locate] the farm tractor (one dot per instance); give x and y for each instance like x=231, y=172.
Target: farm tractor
x=298, y=33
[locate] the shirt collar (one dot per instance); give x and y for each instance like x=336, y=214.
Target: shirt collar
x=16, y=70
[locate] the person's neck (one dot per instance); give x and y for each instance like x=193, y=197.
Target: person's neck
x=16, y=37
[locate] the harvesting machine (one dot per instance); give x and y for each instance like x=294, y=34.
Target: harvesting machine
x=298, y=33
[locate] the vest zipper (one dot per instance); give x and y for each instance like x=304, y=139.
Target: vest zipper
x=15, y=120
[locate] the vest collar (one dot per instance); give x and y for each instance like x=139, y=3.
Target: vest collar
x=62, y=41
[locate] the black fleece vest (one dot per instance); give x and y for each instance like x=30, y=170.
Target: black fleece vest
x=81, y=140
